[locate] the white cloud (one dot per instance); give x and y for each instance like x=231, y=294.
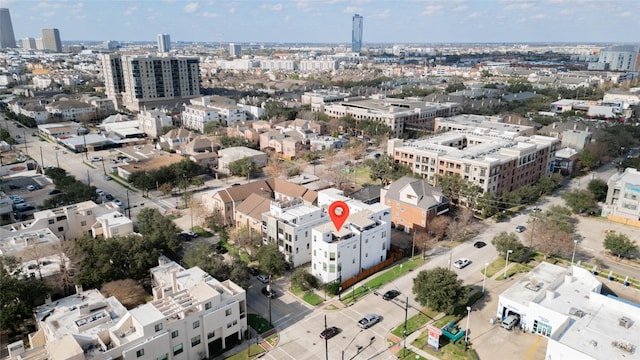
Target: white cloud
x=77, y=8
x=381, y=14
x=209, y=14
x=191, y=7
x=475, y=15
x=626, y=14
x=538, y=16
x=131, y=9
x=351, y=10
x=519, y=6
x=460, y=8
x=277, y=7
x=287, y=18
x=432, y=9
x=49, y=14
x=232, y=10
x=48, y=5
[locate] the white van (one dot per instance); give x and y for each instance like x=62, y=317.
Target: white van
x=510, y=322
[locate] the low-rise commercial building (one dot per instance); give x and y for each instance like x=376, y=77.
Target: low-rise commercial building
x=623, y=198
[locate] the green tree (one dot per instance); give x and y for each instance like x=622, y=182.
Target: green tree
x=458, y=86
x=505, y=241
x=160, y=230
x=212, y=127
x=165, y=129
x=302, y=279
x=588, y=159
x=271, y=260
x=487, y=204
x=440, y=289
x=598, y=188
x=580, y=201
x=620, y=245
x=554, y=231
x=243, y=167
x=18, y=297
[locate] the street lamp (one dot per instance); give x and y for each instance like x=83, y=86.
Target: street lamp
x=575, y=245
x=506, y=263
x=466, y=332
x=484, y=277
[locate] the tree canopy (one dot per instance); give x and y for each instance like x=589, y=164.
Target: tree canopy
x=204, y=256
x=271, y=260
x=386, y=170
x=440, y=289
x=599, y=189
x=505, y=241
x=18, y=297
x=243, y=167
x=554, y=231
x=620, y=245
x=580, y=201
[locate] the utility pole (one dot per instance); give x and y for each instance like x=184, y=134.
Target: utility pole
x=326, y=340
x=41, y=160
x=404, y=332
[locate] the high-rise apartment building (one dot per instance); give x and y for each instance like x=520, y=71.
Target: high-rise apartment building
x=356, y=33
x=164, y=43
x=235, y=50
x=29, y=43
x=7, y=38
x=51, y=40
x=135, y=81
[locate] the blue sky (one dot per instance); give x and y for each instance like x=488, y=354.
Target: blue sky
x=329, y=21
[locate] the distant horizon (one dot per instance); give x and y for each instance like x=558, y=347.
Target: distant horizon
x=329, y=21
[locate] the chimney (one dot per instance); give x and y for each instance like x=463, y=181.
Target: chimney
x=174, y=282
x=550, y=294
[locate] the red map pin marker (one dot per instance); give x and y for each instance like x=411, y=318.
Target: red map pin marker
x=339, y=212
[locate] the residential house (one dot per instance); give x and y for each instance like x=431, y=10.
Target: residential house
x=414, y=203
x=72, y=110
x=229, y=155
x=152, y=122
x=176, y=137
x=623, y=197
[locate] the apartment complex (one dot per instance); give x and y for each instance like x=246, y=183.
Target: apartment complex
x=497, y=160
x=192, y=316
x=394, y=113
x=618, y=58
x=289, y=223
x=361, y=243
x=152, y=122
x=203, y=110
x=623, y=197
x=136, y=82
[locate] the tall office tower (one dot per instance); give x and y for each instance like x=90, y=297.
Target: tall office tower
x=51, y=40
x=356, y=33
x=235, y=50
x=164, y=43
x=7, y=38
x=137, y=82
x=29, y=43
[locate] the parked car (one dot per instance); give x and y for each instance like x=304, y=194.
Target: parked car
x=34, y=187
x=108, y=196
x=54, y=191
x=96, y=158
x=13, y=187
x=510, y=321
x=390, y=295
x=184, y=236
x=107, y=177
x=263, y=278
x=329, y=332
x=117, y=202
x=253, y=271
x=99, y=192
x=368, y=321
x=268, y=293
x=193, y=234
x=479, y=244
x=461, y=263
x=520, y=228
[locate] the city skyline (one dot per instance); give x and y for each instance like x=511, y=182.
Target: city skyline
x=330, y=21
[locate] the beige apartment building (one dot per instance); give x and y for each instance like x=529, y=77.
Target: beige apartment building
x=495, y=160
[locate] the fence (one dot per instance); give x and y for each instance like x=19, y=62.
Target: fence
x=395, y=254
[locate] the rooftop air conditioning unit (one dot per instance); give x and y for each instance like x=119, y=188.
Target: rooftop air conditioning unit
x=625, y=322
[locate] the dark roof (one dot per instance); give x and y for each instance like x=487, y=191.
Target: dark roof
x=428, y=195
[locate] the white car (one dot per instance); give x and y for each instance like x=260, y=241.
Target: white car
x=117, y=202
x=96, y=159
x=263, y=278
x=99, y=192
x=460, y=263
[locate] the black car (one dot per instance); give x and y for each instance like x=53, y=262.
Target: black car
x=270, y=294
x=54, y=191
x=253, y=271
x=479, y=244
x=108, y=197
x=330, y=332
x=391, y=294
x=184, y=236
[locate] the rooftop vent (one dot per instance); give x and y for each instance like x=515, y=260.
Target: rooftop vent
x=625, y=322
x=576, y=312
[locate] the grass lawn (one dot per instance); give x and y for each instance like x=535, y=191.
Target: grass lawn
x=415, y=322
x=408, y=355
x=363, y=175
x=447, y=351
x=386, y=277
x=312, y=298
x=172, y=217
x=258, y=323
x=514, y=269
x=254, y=351
x=494, y=267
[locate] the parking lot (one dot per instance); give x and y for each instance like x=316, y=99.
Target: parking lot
x=32, y=190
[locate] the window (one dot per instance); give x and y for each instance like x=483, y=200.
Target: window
x=207, y=306
x=228, y=325
x=235, y=322
x=158, y=327
x=196, y=324
x=195, y=340
x=174, y=334
x=177, y=349
x=211, y=334
x=51, y=221
x=83, y=223
x=163, y=357
x=227, y=312
x=140, y=353
x=89, y=212
x=60, y=228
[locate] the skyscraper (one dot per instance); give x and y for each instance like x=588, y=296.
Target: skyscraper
x=164, y=43
x=29, y=43
x=51, y=40
x=7, y=38
x=235, y=50
x=356, y=33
